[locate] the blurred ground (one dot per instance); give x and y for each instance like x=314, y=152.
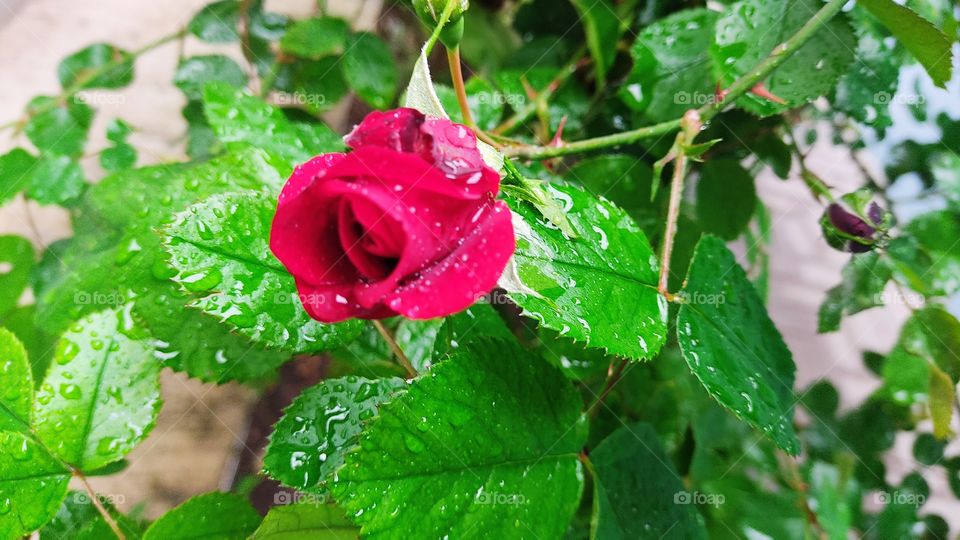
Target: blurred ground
x=192, y=448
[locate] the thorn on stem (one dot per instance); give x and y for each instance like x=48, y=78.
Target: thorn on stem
x=760, y=90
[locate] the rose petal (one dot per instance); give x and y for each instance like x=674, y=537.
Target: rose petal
x=372, y=240
x=397, y=130
x=402, y=172
x=452, y=147
x=304, y=231
x=336, y=303
x=470, y=271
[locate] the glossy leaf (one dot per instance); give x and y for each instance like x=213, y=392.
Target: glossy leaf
x=732, y=346
x=370, y=70
x=927, y=43
x=321, y=426
x=477, y=323
x=102, y=394
x=16, y=263
x=56, y=180
x=417, y=340
x=238, y=118
x=195, y=72
x=864, y=279
x=726, y=198
x=220, y=249
x=927, y=256
x=599, y=289
x=750, y=29
x=831, y=492
x=217, y=22
x=32, y=485
x=866, y=91
x=61, y=129
x=601, y=24
x=16, y=170
x=486, y=103
x=79, y=519
x=316, y=38
x=100, y=65
x=637, y=491
x=671, y=69
x=306, y=521
x=16, y=384
x=37, y=342
x=224, y=516
x=486, y=443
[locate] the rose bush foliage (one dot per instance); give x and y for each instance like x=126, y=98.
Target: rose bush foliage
x=526, y=324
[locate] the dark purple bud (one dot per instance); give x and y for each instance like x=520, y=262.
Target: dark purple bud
x=849, y=223
x=875, y=213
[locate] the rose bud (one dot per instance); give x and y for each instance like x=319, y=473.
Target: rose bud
x=407, y=223
x=430, y=11
x=856, y=224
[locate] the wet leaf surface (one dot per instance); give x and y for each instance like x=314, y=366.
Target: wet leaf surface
x=32, y=485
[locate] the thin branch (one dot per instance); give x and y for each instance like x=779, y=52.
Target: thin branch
x=691, y=125
x=740, y=87
x=99, y=506
x=613, y=377
x=397, y=351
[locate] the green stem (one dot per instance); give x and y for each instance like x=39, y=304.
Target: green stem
x=99, y=506
x=531, y=106
x=395, y=348
x=690, y=125
x=459, y=87
x=444, y=18
x=740, y=87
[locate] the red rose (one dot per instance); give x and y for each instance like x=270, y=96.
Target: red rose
x=405, y=224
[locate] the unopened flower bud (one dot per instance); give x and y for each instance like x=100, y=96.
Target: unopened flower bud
x=856, y=223
x=430, y=12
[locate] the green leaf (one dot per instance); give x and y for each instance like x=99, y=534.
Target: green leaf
x=943, y=393
x=321, y=426
x=934, y=335
x=671, y=68
x=927, y=449
x=56, y=180
x=32, y=485
x=732, y=346
x=637, y=491
x=102, y=394
x=79, y=519
x=62, y=129
x=221, y=248
x=486, y=103
x=478, y=322
x=726, y=198
x=488, y=440
x=369, y=69
x=600, y=289
x=306, y=522
x=316, y=38
x=239, y=118
x=90, y=67
x=603, y=29
x=420, y=93
x=119, y=157
x=16, y=384
x=16, y=170
x=16, y=263
x=223, y=516
x=750, y=29
x=624, y=180
x=195, y=72
x=117, y=253
x=318, y=85
x=867, y=89
x=928, y=256
x=926, y=42
x=864, y=279
x=831, y=492
x=38, y=344
x=217, y=22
